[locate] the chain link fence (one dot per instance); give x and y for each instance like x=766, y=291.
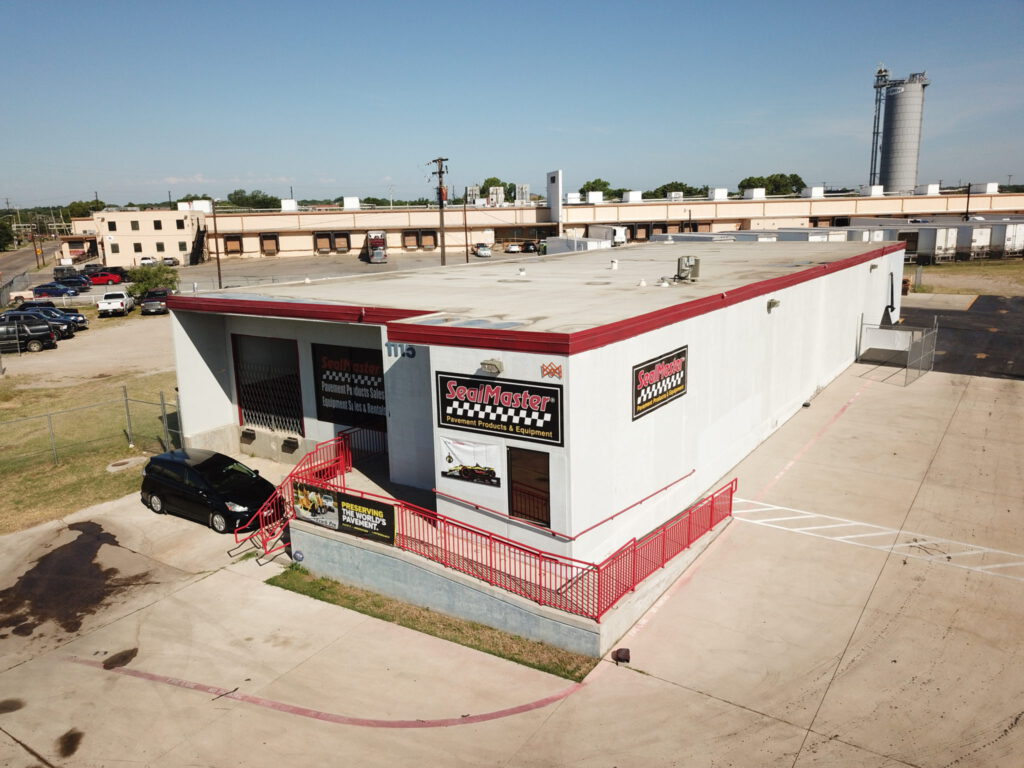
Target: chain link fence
x=57, y=436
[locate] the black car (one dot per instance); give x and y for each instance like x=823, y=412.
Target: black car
x=529, y=247
x=206, y=486
x=117, y=271
x=63, y=326
x=36, y=303
x=31, y=335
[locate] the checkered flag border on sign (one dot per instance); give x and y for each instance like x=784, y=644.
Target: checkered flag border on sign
x=499, y=413
x=357, y=379
x=652, y=391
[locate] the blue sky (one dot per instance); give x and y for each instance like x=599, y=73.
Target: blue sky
x=132, y=100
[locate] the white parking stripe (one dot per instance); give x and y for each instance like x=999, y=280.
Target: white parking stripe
x=911, y=545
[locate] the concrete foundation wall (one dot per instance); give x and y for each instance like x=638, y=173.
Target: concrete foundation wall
x=413, y=579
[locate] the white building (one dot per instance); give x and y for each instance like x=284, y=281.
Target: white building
x=568, y=403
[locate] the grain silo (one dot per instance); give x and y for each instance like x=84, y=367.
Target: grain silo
x=899, y=144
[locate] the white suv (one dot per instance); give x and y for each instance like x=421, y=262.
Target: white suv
x=147, y=261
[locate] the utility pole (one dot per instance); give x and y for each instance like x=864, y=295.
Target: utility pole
x=442, y=196
x=170, y=205
x=465, y=222
x=216, y=244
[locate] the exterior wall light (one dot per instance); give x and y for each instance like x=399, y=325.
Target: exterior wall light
x=290, y=445
x=248, y=435
x=772, y=304
x=873, y=268
x=492, y=365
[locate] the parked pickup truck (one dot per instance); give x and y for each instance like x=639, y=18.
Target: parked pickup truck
x=115, y=303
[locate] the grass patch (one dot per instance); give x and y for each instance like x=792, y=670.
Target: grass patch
x=974, y=276
x=252, y=554
x=529, y=653
x=89, y=434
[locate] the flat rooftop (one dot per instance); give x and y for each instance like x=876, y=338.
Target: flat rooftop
x=553, y=294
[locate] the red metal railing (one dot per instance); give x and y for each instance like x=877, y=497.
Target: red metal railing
x=570, y=585
x=326, y=463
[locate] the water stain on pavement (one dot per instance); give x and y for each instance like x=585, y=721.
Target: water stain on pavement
x=68, y=744
x=120, y=659
x=65, y=585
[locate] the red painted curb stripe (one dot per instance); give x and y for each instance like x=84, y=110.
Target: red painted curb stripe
x=330, y=717
x=759, y=496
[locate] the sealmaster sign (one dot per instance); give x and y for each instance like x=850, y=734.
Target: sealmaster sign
x=521, y=410
x=350, y=386
x=658, y=382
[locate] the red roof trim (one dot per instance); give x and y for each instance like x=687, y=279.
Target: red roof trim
x=517, y=341
x=582, y=341
x=338, y=313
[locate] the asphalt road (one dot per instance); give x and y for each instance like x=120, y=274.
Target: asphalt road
x=13, y=263
x=250, y=271
x=986, y=339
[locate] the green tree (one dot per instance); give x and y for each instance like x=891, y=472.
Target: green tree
x=190, y=197
x=380, y=202
x=6, y=235
x=147, y=278
x=82, y=209
x=255, y=199
x=662, y=192
x=776, y=184
x=596, y=185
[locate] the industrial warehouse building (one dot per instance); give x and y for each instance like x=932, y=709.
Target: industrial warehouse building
x=193, y=234
x=565, y=404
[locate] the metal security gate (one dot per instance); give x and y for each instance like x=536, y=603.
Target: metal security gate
x=267, y=383
x=901, y=353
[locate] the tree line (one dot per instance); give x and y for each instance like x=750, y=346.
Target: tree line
x=774, y=184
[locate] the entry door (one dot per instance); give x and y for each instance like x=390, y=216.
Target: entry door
x=529, y=487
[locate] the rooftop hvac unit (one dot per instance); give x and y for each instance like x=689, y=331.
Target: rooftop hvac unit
x=718, y=193
x=676, y=196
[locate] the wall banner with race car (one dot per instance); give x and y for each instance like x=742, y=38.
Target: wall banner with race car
x=350, y=386
x=658, y=382
x=472, y=462
x=521, y=410
x=366, y=518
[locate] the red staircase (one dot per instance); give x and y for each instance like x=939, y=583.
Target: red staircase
x=268, y=527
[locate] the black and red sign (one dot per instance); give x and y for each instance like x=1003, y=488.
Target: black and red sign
x=345, y=512
x=520, y=410
x=658, y=382
x=350, y=386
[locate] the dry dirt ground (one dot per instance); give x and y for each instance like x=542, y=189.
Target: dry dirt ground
x=111, y=346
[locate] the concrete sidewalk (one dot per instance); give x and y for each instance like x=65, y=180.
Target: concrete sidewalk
x=789, y=642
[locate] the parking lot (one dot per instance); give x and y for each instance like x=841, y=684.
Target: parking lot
x=862, y=609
